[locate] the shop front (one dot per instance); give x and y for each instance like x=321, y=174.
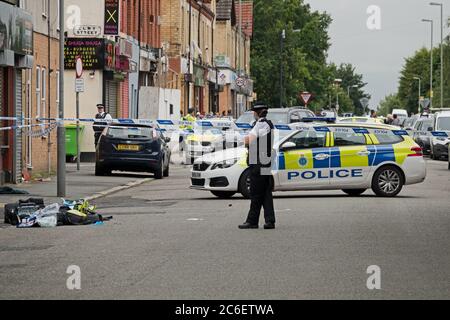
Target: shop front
x=106, y=66
x=16, y=49
x=199, y=89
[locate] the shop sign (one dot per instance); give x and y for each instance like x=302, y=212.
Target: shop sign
x=111, y=17
x=87, y=31
x=16, y=29
x=89, y=49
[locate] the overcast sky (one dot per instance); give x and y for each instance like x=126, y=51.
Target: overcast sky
x=379, y=54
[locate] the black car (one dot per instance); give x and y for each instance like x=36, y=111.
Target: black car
x=133, y=147
x=422, y=134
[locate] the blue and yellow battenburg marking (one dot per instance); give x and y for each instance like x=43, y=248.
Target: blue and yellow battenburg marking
x=349, y=159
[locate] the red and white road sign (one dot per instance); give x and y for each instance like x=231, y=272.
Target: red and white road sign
x=78, y=67
x=306, y=97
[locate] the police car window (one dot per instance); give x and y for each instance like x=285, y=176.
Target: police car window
x=342, y=139
x=389, y=137
x=309, y=139
x=426, y=124
x=278, y=117
x=443, y=123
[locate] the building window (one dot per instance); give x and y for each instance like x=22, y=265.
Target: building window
x=38, y=92
x=44, y=92
x=57, y=92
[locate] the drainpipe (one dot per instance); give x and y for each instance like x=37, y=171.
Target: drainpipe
x=49, y=141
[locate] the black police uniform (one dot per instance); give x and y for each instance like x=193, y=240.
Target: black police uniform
x=99, y=126
x=261, y=185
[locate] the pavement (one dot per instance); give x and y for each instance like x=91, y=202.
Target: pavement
x=81, y=184
x=169, y=242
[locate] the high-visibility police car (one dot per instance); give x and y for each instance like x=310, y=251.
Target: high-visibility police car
x=352, y=158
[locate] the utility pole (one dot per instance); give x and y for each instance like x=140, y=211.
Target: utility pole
x=442, y=50
x=139, y=59
x=282, y=37
x=420, y=89
x=61, y=153
x=188, y=83
x=431, y=61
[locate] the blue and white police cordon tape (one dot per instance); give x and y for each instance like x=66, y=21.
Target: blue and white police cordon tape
x=171, y=125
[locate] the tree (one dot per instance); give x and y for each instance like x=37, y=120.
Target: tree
x=389, y=103
x=352, y=87
x=304, y=55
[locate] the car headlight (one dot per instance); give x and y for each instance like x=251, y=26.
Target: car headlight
x=224, y=164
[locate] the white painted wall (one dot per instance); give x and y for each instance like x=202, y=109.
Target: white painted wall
x=83, y=12
x=155, y=103
x=89, y=99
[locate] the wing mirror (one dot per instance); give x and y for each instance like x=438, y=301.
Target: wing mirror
x=288, y=145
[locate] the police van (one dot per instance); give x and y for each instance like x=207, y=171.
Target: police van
x=347, y=157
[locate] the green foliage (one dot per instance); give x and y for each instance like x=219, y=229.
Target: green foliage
x=389, y=103
x=419, y=66
x=304, y=54
x=304, y=58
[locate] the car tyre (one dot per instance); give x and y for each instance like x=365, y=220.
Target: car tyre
x=167, y=171
x=159, y=174
x=388, y=181
x=244, y=184
x=99, y=171
x=223, y=194
x=354, y=192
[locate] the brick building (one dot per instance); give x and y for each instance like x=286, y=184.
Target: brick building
x=40, y=88
x=232, y=55
x=188, y=32
x=16, y=49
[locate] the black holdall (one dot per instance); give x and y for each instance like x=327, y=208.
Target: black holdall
x=15, y=212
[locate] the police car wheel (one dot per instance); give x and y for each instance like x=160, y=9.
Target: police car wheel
x=223, y=194
x=354, y=192
x=388, y=181
x=244, y=184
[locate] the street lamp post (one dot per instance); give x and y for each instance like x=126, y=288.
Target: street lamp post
x=61, y=132
x=337, y=83
x=420, y=89
x=282, y=38
x=350, y=87
x=442, y=49
x=431, y=61
x=188, y=82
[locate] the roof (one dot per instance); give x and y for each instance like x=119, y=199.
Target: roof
x=225, y=10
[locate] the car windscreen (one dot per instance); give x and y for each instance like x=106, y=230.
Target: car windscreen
x=208, y=132
x=246, y=118
x=275, y=116
x=130, y=133
x=443, y=123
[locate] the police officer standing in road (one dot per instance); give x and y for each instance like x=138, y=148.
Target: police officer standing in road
x=100, y=125
x=259, y=143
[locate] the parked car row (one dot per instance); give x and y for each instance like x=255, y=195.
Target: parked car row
x=431, y=132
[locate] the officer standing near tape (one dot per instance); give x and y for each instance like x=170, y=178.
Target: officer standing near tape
x=102, y=120
x=259, y=143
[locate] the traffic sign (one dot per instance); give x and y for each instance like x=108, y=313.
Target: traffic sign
x=240, y=82
x=79, y=85
x=425, y=103
x=306, y=97
x=78, y=67
x=364, y=102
